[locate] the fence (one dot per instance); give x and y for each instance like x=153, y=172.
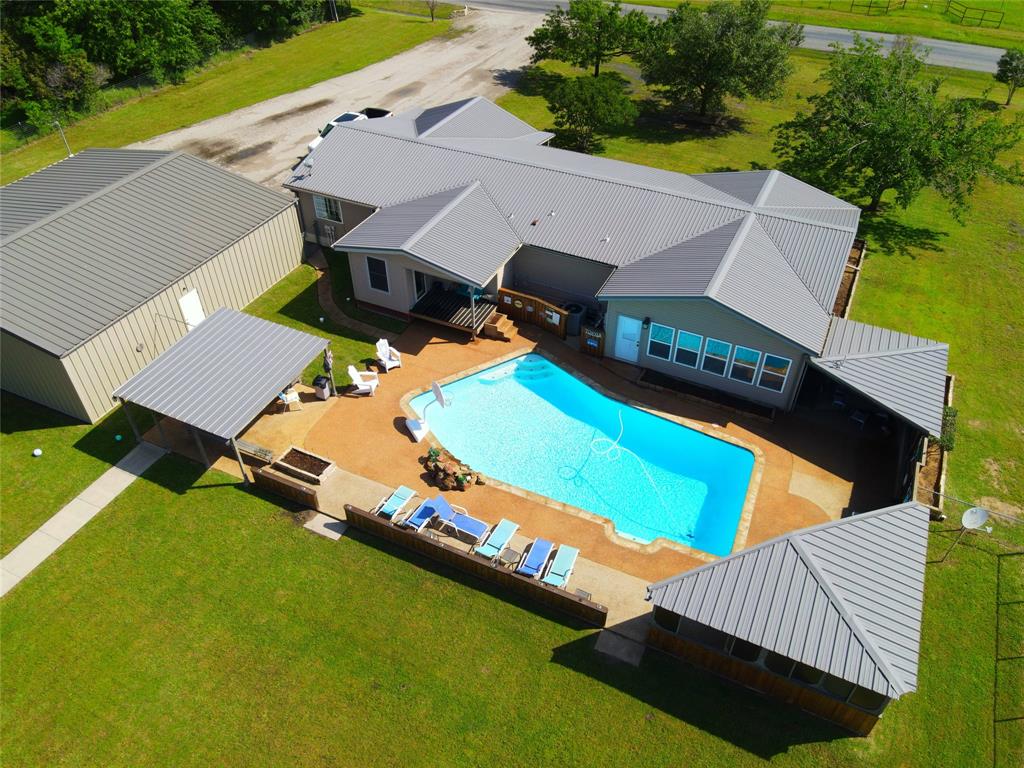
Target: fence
x=530, y=309
x=565, y=602
x=876, y=7
x=973, y=17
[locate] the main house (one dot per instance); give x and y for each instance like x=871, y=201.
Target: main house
x=726, y=281
x=112, y=255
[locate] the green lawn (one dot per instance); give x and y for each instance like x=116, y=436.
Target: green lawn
x=919, y=18
x=74, y=454
x=344, y=296
x=322, y=53
x=293, y=302
x=192, y=623
x=925, y=274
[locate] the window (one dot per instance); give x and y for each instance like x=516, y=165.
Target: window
x=837, y=686
x=327, y=208
x=741, y=649
x=862, y=698
x=659, y=342
x=744, y=363
x=688, y=348
x=420, y=283
x=716, y=355
x=778, y=663
x=378, y=271
x=774, y=372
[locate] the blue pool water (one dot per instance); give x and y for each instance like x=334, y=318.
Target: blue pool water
x=528, y=423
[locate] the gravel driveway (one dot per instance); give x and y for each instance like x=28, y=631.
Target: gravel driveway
x=265, y=140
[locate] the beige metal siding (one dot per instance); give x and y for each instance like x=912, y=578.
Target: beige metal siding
x=555, y=275
x=401, y=294
x=38, y=376
x=233, y=279
x=707, y=318
x=316, y=230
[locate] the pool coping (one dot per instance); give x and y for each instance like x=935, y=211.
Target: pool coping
x=756, y=474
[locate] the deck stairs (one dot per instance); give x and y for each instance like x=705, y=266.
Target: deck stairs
x=498, y=326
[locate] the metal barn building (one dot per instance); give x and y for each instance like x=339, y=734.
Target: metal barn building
x=112, y=255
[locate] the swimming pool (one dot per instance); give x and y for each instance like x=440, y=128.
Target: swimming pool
x=527, y=422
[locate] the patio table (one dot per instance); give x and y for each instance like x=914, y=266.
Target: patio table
x=510, y=557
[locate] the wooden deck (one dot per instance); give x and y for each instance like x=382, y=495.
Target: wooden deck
x=453, y=310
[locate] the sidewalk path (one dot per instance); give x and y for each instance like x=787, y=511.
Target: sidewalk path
x=75, y=514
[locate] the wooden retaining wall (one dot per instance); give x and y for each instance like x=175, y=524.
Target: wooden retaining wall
x=530, y=309
x=559, y=599
x=763, y=681
x=279, y=483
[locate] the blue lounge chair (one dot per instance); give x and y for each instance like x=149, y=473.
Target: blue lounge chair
x=498, y=539
x=458, y=519
x=396, y=502
x=560, y=570
x=424, y=513
x=536, y=558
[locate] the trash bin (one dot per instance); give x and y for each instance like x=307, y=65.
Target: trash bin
x=572, y=322
x=322, y=385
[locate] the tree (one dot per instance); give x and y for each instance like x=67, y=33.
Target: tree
x=882, y=126
x=700, y=57
x=586, y=106
x=432, y=7
x=271, y=19
x=590, y=33
x=1010, y=70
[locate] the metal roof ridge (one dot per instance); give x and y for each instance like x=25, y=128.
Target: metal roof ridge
x=773, y=214
x=730, y=255
x=438, y=215
x=766, y=188
x=784, y=536
x=851, y=618
x=739, y=204
x=90, y=197
x=934, y=347
x=471, y=100
x=785, y=258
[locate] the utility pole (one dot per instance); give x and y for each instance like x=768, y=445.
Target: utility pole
x=62, y=136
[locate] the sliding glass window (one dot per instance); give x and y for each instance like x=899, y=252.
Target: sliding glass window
x=659, y=343
x=774, y=372
x=716, y=356
x=744, y=364
x=688, y=348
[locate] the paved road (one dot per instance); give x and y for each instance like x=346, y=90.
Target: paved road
x=979, y=58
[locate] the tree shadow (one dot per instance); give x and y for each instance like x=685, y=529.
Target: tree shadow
x=754, y=723
x=658, y=122
x=890, y=235
x=982, y=103
x=529, y=80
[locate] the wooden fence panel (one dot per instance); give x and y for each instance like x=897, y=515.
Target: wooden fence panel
x=530, y=309
x=559, y=599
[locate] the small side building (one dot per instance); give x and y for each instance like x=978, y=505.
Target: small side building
x=112, y=255
x=827, y=618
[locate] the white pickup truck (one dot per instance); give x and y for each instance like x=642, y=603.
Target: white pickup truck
x=368, y=113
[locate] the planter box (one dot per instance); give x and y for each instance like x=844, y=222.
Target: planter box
x=304, y=465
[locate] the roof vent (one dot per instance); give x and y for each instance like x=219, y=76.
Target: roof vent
x=605, y=239
x=552, y=212
x=534, y=222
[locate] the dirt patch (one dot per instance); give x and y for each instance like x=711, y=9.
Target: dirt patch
x=994, y=470
x=928, y=478
x=247, y=152
x=299, y=110
x=1002, y=507
x=305, y=462
x=406, y=91
x=207, y=148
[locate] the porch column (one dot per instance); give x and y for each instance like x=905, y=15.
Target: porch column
x=241, y=464
x=472, y=307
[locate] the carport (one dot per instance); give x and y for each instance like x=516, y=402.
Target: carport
x=220, y=376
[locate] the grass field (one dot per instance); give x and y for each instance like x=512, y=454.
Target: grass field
x=192, y=623
x=925, y=274
x=919, y=18
x=322, y=53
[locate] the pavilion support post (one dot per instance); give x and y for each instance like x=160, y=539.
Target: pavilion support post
x=131, y=421
x=241, y=464
x=160, y=429
x=199, y=447
x=472, y=308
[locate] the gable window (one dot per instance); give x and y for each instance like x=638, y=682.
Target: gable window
x=744, y=363
x=716, y=355
x=659, y=343
x=688, y=348
x=774, y=372
x=327, y=208
x=378, y=272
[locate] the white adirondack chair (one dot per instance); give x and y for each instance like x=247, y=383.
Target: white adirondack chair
x=366, y=382
x=387, y=356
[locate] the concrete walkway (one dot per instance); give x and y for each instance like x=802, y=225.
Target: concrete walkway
x=23, y=559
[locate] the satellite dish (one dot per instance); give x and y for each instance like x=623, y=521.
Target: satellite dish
x=439, y=395
x=418, y=428
x=974, y=518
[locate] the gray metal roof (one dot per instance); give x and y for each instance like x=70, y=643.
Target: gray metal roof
x=844, y=597
x=73, y=273
x=29, y=200
x=604, y=210
x=458, y=230
x=472, y=119
x=904, y=374
x=223, y=372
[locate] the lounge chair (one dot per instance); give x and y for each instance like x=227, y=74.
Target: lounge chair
x=536, y=557
x=497, y=539
x=365, y=382
x=387, y=356
x=290, y=398
x=460, y=521
x=560, y=569
x=422, y=515
x=391, y=505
